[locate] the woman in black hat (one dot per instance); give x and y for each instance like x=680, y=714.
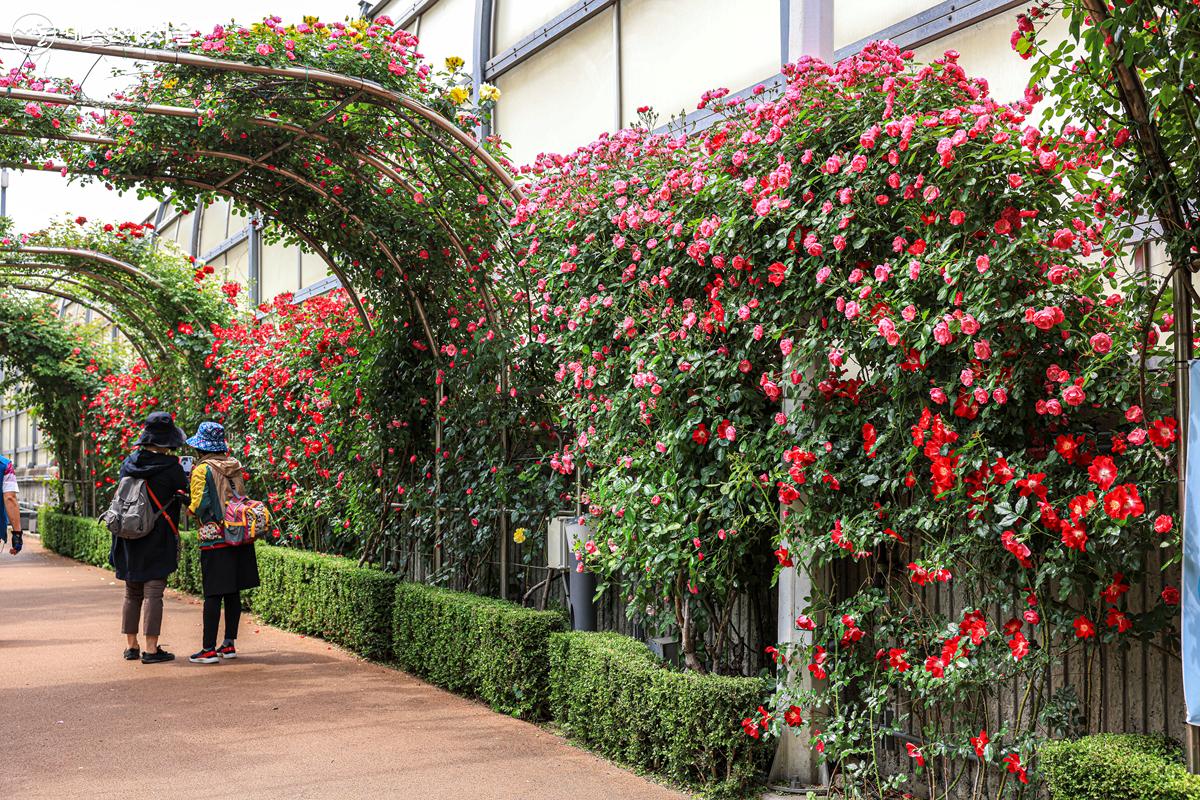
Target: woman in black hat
x=145, y=563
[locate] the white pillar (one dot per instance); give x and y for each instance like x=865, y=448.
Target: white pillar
x=795, y=763
x=810, y=29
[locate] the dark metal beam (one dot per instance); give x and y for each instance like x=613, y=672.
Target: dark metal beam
x=544, y=35
x=704, y=118
x=934, y=23
x=404, y=17
x=481, y=52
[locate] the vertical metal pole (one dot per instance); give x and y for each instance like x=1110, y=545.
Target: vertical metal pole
x=254, y=246
x=437, y=481
x=194, y=250
x=3, y=192
x=619, y=111
x=503, y=528
x=482, y=53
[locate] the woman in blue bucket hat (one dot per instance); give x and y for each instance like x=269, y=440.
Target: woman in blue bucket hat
x=227, y=570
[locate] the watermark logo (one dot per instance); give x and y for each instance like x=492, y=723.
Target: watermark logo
x=32, y=27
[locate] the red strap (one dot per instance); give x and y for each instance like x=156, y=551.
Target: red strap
x=162, y=510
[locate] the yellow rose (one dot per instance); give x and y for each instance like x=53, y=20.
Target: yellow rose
x=489, y=92
x=454, y=63
x=519, y=535
x=460, y=95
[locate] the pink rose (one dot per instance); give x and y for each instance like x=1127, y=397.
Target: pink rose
x=1101, y=343
x=937, y=396
x=983, y=351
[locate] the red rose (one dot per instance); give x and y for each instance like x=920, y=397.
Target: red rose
x=1103, y=472
x=1162, y=431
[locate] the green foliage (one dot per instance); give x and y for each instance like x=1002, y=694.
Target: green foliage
x=609, y=692
x=480, y=646
x=326, y=596
x=53, y=363
x=187, y=578
x=1128, y=766
x=74, y=537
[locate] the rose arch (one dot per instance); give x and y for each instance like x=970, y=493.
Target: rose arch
x=356, y=150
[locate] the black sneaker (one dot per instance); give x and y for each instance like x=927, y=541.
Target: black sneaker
x=206, y=656
x=133, y=654
x=227, y=650
x=157, y=657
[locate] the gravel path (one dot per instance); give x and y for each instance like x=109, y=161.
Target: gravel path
x=293, y=718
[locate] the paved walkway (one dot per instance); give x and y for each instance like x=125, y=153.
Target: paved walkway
x=293, y=719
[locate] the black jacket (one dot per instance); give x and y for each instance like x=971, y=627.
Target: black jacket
x=155, y=556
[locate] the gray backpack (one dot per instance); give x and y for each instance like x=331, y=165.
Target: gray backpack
x=131, y=515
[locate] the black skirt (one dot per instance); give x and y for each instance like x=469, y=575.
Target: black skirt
x=226, y=570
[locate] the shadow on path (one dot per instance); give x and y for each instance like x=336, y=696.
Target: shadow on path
x=293, y=718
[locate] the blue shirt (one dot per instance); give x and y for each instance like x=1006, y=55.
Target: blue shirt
x=8, y=478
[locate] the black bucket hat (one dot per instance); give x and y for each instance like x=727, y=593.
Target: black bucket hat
x=161, y=431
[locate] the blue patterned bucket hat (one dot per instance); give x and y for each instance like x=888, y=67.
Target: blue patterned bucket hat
x=209, y=438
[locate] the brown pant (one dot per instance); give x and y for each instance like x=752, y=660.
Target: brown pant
x=135, y=593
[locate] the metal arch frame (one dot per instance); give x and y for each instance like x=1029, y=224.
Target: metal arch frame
x=377, y=161
x=302, y=181
x=382, y=96
x=36, y=268
x=47, y=290
x=115, y=299
x=307, y=238
x=257, y=163
x=89, y=255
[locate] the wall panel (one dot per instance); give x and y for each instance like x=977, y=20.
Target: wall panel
x=563, y=96
x=515, y=19
x=214, y=227
x=984, y=52
x=852, y=22
x=281, y=270
x=447, y=29
x=672, y=51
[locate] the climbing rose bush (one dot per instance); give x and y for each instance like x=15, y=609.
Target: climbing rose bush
x=887, y=311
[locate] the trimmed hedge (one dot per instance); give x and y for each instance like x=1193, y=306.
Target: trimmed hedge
x=1111, y=765
x=491, y=649
x=326, y=596
x=612, y=695
x=311, y=593
x=74, y=537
